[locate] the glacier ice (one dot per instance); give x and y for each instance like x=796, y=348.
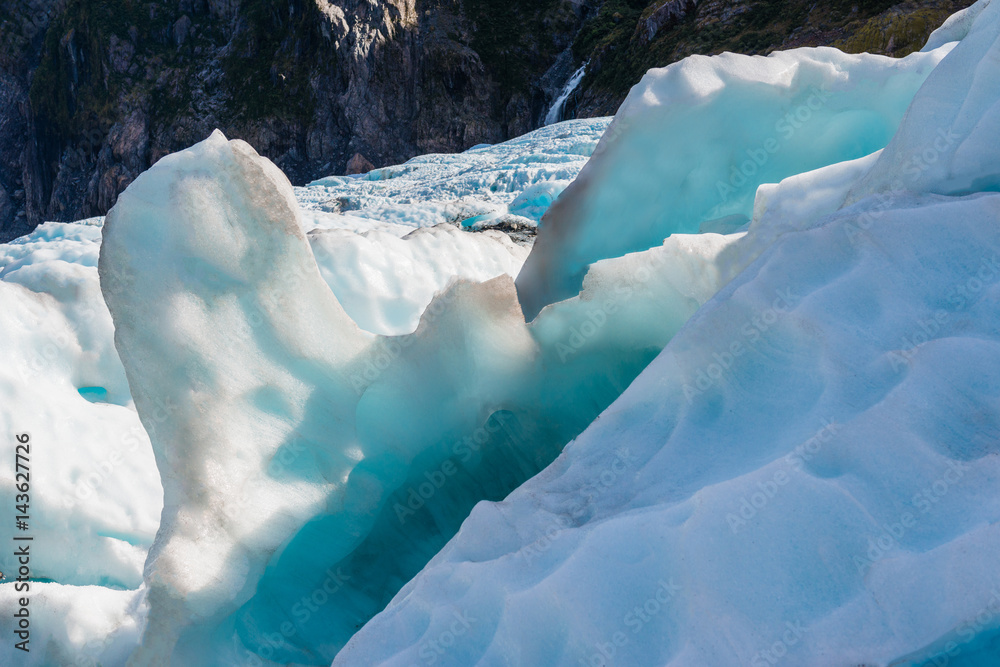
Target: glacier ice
x=956, y=26
x=811, y=462
x=770, y=469
x=304, y=454
x=63, y=381
x=385, y=282
x=693, y=141
x=481, y=185
x=808, y=457
x=947, y=144
x=57, y=337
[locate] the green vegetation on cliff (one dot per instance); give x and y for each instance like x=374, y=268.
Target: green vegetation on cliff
x=515, y=39
x=617, y=39
x=265, y=65
x=101, y=56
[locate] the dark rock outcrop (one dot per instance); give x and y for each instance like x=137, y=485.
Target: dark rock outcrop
x=95, y=91
x=670, y=11
x=358, y=164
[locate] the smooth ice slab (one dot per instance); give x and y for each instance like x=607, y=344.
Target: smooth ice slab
x=693, y=141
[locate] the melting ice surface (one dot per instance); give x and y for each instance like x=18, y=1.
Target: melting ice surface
x=807, y=458
x=692, y=143
x=339, y=464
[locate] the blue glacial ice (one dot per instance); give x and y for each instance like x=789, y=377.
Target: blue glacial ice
x=693, y=141
x=810, y=463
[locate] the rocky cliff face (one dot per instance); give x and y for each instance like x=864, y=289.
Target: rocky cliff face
x=92, y=92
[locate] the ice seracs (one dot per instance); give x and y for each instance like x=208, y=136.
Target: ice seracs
x=66, y=385
x=479, y=187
